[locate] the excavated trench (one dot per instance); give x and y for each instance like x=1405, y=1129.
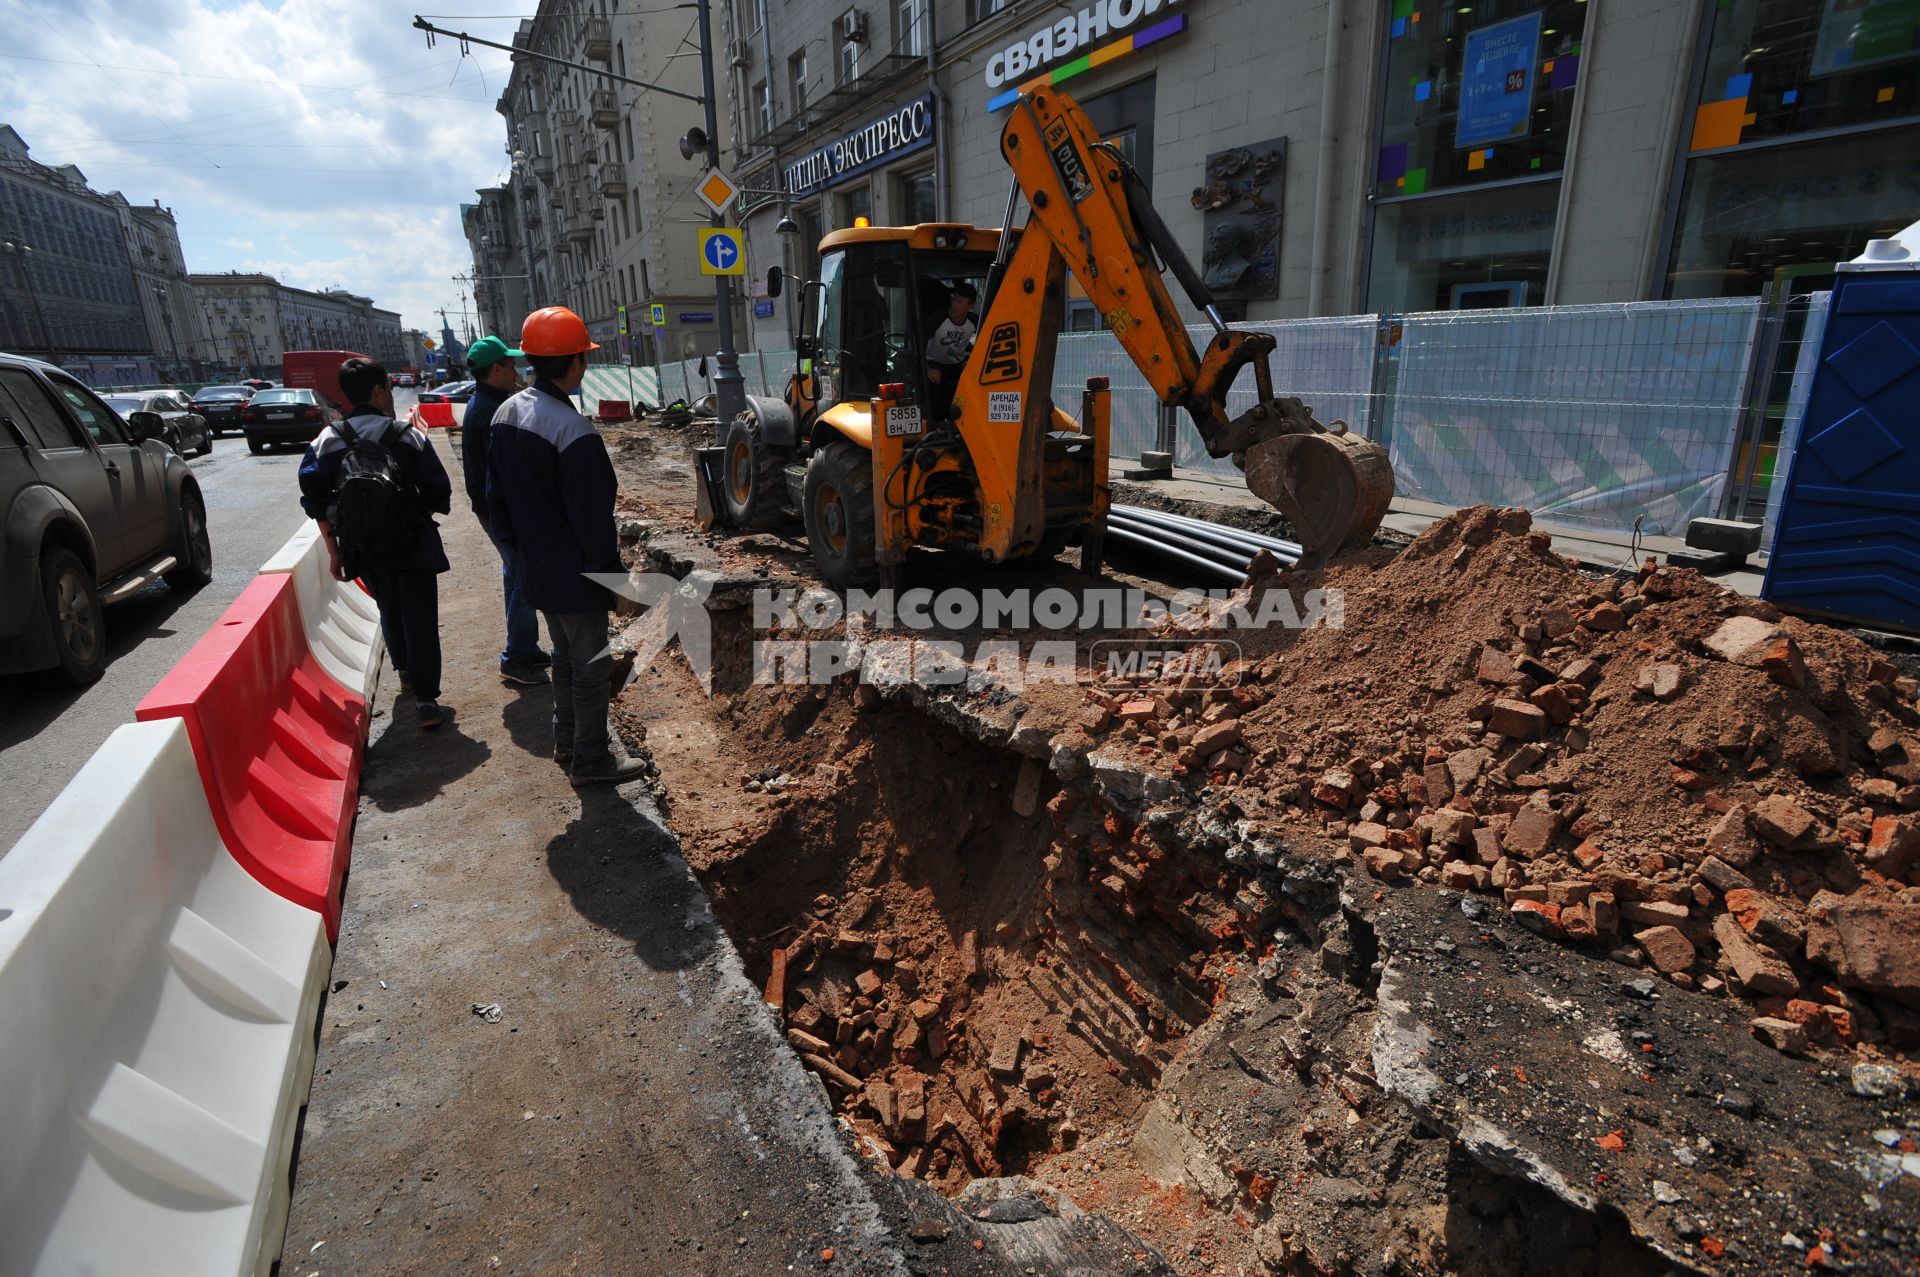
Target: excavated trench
x=982, y=973
x=994, y=974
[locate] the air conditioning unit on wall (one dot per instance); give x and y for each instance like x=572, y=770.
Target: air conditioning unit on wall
x=740, y=53
x=853, y=27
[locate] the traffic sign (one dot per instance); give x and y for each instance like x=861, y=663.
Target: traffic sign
x=623, y=320
x=721, y=251
x=659, y=315
x=716, y=190
x=427, y=342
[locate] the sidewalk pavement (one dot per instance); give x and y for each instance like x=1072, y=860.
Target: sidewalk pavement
x=540, y=1052
x=1410, y=518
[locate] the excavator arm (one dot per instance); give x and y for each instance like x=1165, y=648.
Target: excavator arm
x=1091, y=214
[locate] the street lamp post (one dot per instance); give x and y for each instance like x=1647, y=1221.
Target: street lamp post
x=729, y=387
x=21, y=251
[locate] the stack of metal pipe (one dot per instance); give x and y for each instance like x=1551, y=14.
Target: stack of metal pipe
x=1215, y=549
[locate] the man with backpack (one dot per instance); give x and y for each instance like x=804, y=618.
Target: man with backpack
x=550, y=492
x=374, y=485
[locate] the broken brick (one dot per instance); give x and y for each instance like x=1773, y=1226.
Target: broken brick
x=1728, y=839
x=1537, y=915
x=1336, y=788
x=1217, y=736
x=1486, y=845
x=1465, y=767
x=1439, y=784
x=1453, y=827
x=1552, y=701
x=1753, y=965
x=1604, y=617
x=1721, y=876
x=1462, y=876
x=1134, y=711
x=1585, y=672
x=1518, y=720
x=1766, y=919
x=1870, y=944
x=1893, y=846
x=1004, y=1059
x=1781, y=821
x=1367, y=834
x=1533, y=828
x=1666, y=947
x=1662, y=681
x=868, y=983
x=1781, y=1035
x=1653, y=913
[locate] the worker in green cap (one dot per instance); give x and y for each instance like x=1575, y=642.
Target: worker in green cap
x=490, y=360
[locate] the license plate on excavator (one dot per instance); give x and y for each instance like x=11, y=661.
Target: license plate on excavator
x=903, y=421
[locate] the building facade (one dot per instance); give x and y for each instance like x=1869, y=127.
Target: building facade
x=600, y=196
x=252, y=320
x=1323, y=157
x=494, y=239
x=160, y=285
x=68, y=291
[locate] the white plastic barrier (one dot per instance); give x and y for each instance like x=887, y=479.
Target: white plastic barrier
x=157, y=1011
x=342, y=623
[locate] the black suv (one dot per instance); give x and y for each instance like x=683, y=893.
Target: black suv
x=93, y=510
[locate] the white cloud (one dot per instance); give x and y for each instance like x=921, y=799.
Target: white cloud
x=317, y=140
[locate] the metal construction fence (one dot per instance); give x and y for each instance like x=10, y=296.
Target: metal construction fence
x=1595, y=416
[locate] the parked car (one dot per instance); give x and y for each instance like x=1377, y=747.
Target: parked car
x=454, y=392
x=287, y=414
x=182, y=429
x=93, y=509
x=221, y=406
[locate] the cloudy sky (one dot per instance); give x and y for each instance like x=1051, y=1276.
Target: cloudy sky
x=320, y=141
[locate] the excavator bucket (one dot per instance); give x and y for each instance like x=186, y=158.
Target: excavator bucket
x=1333, y=488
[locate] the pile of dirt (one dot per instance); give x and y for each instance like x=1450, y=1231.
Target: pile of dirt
x=1655, y=767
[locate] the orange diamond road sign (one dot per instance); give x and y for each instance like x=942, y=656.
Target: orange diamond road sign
x=716, y=190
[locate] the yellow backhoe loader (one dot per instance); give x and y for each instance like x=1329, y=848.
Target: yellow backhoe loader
x=876, y=456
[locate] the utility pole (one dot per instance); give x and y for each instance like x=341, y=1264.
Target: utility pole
x=20, y=251
x=729, y=387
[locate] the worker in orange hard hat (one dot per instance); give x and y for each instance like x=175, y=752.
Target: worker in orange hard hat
x=550, y=490
x=555, y=330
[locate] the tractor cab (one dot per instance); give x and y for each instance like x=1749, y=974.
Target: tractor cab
x=883, y=295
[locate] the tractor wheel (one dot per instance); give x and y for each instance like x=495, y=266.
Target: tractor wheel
x=839, y=514
x=753, y=476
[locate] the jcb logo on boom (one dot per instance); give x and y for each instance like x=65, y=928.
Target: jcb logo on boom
x=1003, y=355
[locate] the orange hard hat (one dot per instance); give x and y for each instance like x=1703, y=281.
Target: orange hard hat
x=555, y=330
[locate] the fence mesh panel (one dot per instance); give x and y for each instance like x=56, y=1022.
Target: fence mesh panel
x=1801, y=357
x=1586, y=415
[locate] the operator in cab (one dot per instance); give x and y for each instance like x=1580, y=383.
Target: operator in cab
x=949, y=345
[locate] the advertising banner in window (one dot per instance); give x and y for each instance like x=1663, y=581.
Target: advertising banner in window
x=1496, y=82
x=1857, y=33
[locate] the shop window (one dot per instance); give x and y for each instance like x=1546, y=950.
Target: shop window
x=1778, y=67
x=1477, y=92
x=917, y=202
x=1787, y=214
x=1467, y=251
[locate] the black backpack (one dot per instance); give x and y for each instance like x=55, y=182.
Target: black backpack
x=373, y=508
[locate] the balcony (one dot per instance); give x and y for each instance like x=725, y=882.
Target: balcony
x=597, y=39
x=605, y=107
x=566, y=124
x=543, y=167
x=556, y=197
x=579, y=227
x=612, y=179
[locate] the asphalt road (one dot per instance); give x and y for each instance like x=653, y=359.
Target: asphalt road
x=49, y=728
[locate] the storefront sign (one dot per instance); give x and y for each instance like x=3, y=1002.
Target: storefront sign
x=879, y=141
x=1067, y=36
x=1496, y=82
x=1020, y=62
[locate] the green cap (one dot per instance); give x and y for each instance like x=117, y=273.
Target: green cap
x=489, y=351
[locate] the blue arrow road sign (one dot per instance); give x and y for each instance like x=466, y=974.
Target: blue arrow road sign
x=720, y=251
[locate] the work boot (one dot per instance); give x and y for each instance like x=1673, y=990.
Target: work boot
x=522, y=673
x=564, y=757
x=617, y=768
x=431, y=715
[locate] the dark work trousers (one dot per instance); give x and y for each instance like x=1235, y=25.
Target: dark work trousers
x=410, y=618
x=582, y=666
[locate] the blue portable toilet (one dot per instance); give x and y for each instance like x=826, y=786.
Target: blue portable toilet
x=1847, y=545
